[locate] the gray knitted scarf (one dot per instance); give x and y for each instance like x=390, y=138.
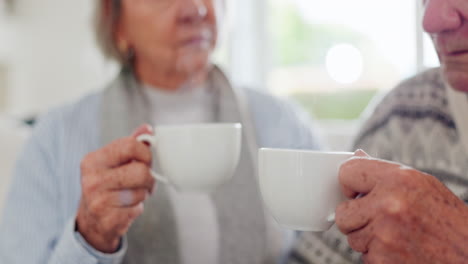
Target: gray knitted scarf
x=153, y=237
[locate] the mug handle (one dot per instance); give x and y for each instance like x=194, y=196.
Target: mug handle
x=151, y=141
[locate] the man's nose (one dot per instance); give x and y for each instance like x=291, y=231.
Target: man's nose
x=440, y=16
x=193, y=11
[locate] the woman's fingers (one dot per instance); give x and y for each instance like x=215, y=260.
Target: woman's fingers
x=117, y=153
x=118, y=220
x=134, y=175
x=126, y=198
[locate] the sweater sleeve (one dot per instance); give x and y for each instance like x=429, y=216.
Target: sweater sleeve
x=32, y=229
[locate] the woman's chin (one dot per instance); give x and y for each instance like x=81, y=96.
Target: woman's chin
x=194, y=64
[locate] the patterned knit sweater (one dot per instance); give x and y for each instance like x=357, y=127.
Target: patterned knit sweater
x=413, y=125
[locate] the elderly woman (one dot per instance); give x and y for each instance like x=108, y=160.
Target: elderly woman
x=81, y=181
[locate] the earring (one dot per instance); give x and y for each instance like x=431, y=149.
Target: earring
x=126, y=51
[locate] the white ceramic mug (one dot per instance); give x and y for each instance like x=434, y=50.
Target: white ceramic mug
x=301, y=188
x=196, y=157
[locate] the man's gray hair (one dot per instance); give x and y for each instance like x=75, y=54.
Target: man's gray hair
x=107, y=16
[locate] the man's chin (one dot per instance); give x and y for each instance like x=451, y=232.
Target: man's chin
x=457, y=78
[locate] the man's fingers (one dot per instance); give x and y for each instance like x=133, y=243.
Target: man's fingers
x=360, y=174
x=133, y=175
x=360, y=240
x=355, y=214
x=378, y=252
x=361, y=153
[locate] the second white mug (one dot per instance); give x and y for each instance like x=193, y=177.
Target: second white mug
x=301, y=188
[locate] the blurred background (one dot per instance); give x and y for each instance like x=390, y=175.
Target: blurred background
x=332, y=57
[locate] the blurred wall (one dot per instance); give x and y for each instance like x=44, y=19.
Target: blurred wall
x=52, y=56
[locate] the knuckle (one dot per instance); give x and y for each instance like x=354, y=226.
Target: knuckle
x=386, y=238
x=395, y=205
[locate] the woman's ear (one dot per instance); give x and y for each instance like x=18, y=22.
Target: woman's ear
x=110, y=8
x=106, y=9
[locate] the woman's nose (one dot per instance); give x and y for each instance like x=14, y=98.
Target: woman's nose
x=193, y=11
x=441, y=15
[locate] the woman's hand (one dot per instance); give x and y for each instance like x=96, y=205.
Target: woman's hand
x=115, y=181
x=405, y=216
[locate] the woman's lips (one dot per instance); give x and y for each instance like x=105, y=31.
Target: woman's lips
x=200, y=39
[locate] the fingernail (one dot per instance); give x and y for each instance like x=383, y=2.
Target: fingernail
x=150, y=128
x=126, y=197
x=361, y=153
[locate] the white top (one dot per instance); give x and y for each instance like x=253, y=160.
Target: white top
x=186, y=106
x=195, y=213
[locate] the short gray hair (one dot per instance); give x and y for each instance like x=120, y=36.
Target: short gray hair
x=108, y=13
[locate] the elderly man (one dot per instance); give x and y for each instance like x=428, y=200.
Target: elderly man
x=407, y=215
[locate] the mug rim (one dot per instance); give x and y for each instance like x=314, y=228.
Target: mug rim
x=303, y=151
x=200, y=126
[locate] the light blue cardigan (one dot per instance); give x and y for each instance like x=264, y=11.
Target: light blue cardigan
x=38, y=222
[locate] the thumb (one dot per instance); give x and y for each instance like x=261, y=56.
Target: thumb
x=143, y=129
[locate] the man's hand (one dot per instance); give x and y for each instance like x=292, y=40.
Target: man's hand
x=405, y=216
x=115, y=181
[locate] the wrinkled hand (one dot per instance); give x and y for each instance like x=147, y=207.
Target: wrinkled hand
x=115, y=181
x=405, y=216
